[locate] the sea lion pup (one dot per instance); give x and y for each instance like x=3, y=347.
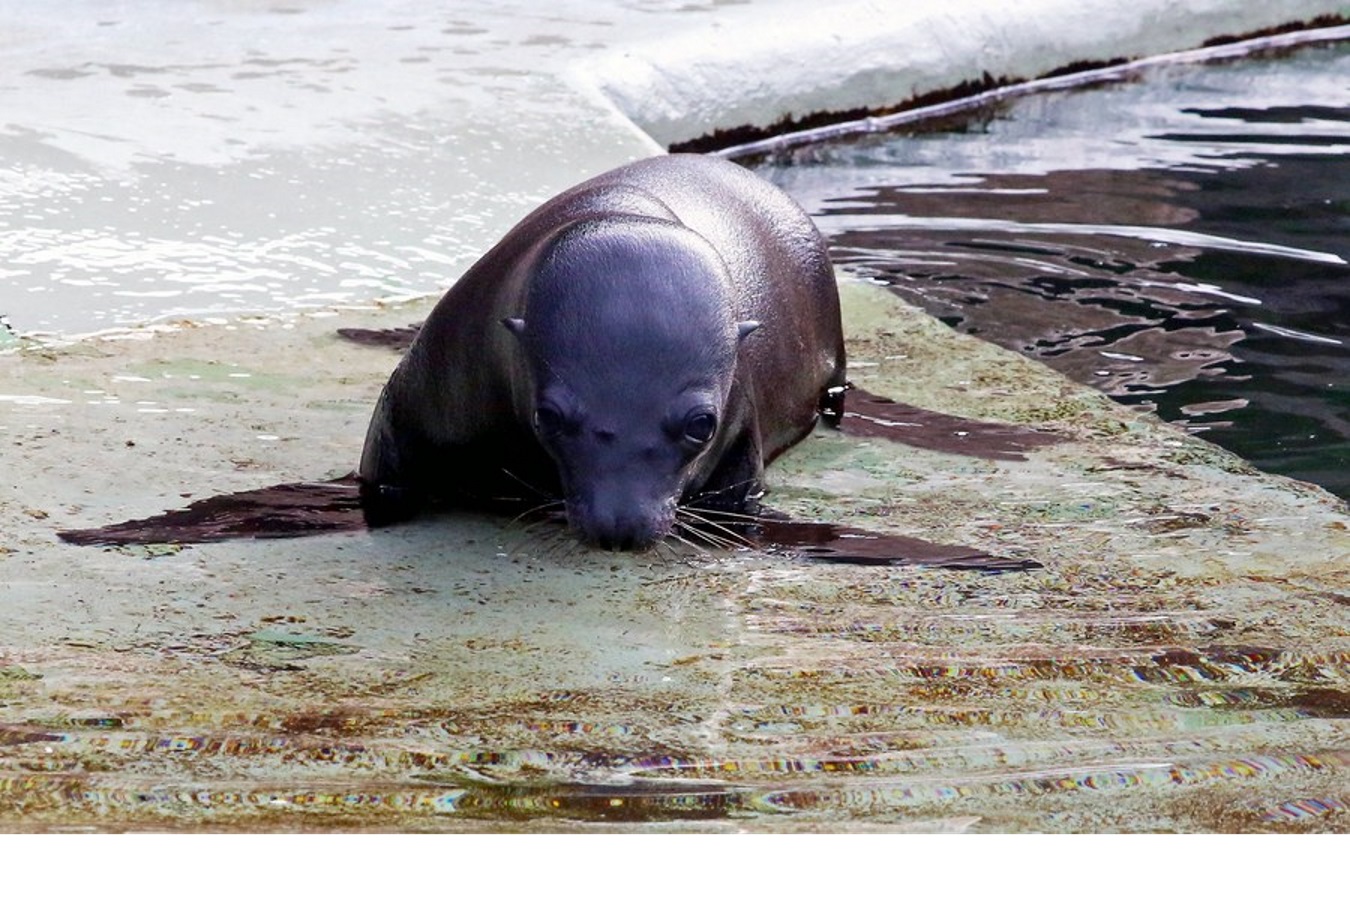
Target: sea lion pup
x=645, y=342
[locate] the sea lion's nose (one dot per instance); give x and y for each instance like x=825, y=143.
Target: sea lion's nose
x=621, y=528
x=621, y=532
x=617, y=542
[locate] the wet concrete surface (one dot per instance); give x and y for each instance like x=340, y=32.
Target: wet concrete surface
x=1180, y=663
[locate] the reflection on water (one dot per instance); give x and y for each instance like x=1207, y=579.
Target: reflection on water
x=1178, y=239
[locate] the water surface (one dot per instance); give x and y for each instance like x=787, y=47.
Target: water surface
x=1176, y=237
x=168, y=160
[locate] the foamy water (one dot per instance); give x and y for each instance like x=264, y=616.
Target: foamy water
x=178, y=159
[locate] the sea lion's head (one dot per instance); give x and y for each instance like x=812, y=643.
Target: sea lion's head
x=631, y=341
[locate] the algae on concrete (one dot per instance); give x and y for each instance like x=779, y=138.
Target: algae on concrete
x=1181, y=662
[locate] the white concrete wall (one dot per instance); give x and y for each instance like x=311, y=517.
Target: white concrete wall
x=758, y=64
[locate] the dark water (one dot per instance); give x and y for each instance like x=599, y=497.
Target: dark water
x=1176, y=237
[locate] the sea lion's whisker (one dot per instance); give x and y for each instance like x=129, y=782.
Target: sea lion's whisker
x=555, y=545
x=707, y=530
x=537, y=529
x=665, y=552
x=708, y=525
x=529, y=487
x=533, y=510
x=723, y=513
x=684, y=551
x=686, y=542
x=715, y=517
x=706, y=539
x=729, y=488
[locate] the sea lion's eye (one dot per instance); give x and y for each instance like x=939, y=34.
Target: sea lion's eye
x=548, y=420
x=699, y=427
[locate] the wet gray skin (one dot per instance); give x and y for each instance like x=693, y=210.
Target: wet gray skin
x=632, y=348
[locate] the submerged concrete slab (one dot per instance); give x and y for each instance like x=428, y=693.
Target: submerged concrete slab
x=1181, y=662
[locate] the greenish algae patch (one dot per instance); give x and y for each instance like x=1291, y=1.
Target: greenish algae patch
x=1181, y=661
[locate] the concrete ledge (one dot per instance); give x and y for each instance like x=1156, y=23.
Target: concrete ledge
x=1182, y=662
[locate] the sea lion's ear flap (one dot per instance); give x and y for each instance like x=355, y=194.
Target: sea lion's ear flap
x=515, y=326
x=744, y=328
